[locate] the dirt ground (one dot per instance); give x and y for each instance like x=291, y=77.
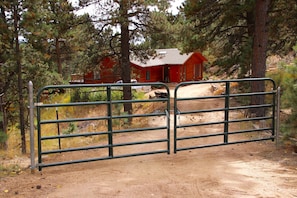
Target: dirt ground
x=245, y=170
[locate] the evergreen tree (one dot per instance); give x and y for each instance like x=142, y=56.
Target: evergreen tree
x=164, y=30
x=6, y=42
x=10, y=59
x=19, y=62
x=241, y=33
x=48, y=25
x=227, y=28
x=88, y=46
x=260, y=42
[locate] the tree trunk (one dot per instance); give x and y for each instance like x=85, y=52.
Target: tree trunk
x=3, y=123
x=259, y=54
x=58, y=56
x=125, y=52
x=20, y=80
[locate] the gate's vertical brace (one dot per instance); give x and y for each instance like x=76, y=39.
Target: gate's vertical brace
x=168, y=125
x=274, y=109
x=276, y=124
x=175, y=111
x=109, y=114
x=226, y=122
x=58, y=127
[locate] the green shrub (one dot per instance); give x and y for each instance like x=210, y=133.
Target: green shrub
x=3, y=137
x=138, y=95
x=71, y=128
x=98, y=95
x=91, y=95
x=289, y=98
x=75, y=95
x=286, y=78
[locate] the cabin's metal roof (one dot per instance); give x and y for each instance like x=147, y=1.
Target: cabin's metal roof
x=164, y=57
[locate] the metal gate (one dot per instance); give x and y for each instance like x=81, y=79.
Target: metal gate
x=105, y=135
x=220, y=117
x=223, y=116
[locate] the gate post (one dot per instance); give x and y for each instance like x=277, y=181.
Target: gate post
x=226, y=120
x=31, y=114
x=277, y=117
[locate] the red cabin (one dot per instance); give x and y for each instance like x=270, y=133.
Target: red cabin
x=168, y=65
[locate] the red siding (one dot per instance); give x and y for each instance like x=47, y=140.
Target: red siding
x=147, y=74
x=191, y=70
x=107, y=73
x=174, y=74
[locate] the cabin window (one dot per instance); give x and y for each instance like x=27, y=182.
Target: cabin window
x=97, y=75
x=148, y=75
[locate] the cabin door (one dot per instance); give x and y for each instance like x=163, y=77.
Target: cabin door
x=166, y=74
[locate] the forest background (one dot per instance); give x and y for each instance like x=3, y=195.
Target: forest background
x=45, y=41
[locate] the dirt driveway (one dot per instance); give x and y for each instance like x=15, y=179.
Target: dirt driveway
x=245, y=170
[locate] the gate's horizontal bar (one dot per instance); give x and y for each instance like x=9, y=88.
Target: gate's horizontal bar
x=251, y=119
x=250, y=131
x=222, y=133
x=199, y=124
x=140, y=101
x=41, y=105
x=101, y=133
x=200, y=111
x=224, y=109
x=74, y=149
x=73, y=135
x=101, y=118
x=199, y=136
x=223, y=122
x=251, y=94
x=224, y=96
x=140, y=129
x=105, y=85
x=102, y=146
x=140, y=142
x=200, y=98
x=227, y=81
x=223, y=144
x=138, y=115
x=143, y=153
x=73, y=120
x=250, y=107
x=43, y=165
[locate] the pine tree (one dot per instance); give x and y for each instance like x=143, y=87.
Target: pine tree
x=260, y=42
x=129, y=19
x=19, y=62
x=48, y=25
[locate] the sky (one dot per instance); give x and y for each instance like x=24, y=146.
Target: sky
x=91, y=9
x=175, y=5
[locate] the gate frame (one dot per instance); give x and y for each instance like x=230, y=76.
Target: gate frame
x=38, y=105
x=110, y=132
x=227, y=95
